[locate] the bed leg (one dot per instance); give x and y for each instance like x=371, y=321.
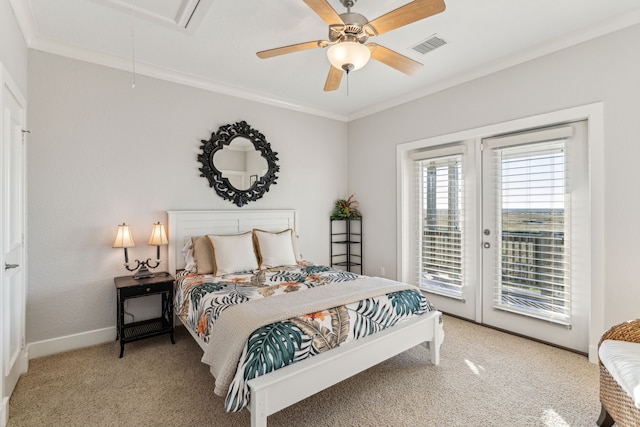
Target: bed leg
x=258, y=404
x=438, y=337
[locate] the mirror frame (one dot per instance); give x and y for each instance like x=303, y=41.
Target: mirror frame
x=223, y=137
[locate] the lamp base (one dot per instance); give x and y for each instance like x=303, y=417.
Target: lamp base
x=143, y=273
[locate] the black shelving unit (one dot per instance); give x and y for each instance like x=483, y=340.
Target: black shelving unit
x=346, y=244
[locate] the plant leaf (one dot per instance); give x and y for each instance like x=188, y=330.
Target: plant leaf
x=268, y=348
x=340, y=323
x=271, y=347
x=198, y=291
x=406, y=302
x=323, y=338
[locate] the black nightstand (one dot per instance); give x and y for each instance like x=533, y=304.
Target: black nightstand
x=126, y=288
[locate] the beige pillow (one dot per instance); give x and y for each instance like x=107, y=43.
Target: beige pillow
x=203, y=255
x=276, y=249
x=233, y=253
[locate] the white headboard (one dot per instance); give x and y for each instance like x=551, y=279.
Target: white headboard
x=185, y=224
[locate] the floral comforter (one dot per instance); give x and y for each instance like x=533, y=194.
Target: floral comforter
x=200, y=300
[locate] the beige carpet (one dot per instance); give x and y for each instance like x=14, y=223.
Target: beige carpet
x=486, y=378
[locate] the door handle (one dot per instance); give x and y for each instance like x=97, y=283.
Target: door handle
x=10, y=266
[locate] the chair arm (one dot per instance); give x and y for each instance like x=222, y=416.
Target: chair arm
x=627, y=331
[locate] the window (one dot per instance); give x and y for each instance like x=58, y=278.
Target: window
x=531, y=199
x=440, y=217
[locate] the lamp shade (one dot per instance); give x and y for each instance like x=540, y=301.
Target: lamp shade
x=158, y=235
x=348, y=55
x=123, y=238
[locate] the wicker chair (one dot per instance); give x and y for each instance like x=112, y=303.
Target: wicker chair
x=617, y=406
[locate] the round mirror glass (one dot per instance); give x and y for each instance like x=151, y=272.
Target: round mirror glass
x=240, y=163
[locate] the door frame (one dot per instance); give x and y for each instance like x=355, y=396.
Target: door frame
x=594, y=115
x=22, y=361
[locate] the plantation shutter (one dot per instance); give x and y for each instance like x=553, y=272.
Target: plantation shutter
x=439, y=199
x=532, y=204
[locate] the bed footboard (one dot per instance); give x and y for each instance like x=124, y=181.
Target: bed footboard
x=277, y=390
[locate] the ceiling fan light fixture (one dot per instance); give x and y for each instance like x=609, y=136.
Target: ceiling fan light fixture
x=348, y=55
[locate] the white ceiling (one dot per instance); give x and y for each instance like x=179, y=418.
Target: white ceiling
x=216, y=50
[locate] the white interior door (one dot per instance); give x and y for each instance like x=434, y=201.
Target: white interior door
x=535, y=234
x=13, y=277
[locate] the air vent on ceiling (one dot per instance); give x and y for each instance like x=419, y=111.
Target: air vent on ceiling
x=429, y=44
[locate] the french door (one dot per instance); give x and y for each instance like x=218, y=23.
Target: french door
x=13, y=360
x=534, y=239
x=502, y=226
x=445, y=200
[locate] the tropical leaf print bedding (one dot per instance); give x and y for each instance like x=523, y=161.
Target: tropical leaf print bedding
x=200, y=299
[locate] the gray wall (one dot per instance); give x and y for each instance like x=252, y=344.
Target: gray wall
x=605, y=69
x=101, y=153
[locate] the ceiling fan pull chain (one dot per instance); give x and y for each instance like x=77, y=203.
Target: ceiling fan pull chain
x=347, y=82
x=133, y=47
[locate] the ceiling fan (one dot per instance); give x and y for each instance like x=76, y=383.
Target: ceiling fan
x=348, y=33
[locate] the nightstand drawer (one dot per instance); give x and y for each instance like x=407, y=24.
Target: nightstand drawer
x=146, y=289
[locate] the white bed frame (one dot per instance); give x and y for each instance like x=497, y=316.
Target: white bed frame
x=284, y=387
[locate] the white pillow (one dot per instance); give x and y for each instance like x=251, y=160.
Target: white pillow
x=296, y=251
x=187, y=251
x=275, y=249
x=233, y=253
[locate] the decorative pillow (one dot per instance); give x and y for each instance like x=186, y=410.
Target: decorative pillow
x=190, y=262
x=276, y=249
x=233, y=253
x=203, y=255
x=296, y=251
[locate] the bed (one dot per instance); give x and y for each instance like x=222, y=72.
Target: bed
x=333, y=292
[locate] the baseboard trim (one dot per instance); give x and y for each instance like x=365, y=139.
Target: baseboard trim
x=70, y=342
x=4, y=412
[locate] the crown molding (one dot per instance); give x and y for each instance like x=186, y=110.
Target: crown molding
x=606, y=27
x=27, y=23
x=86, y=55
x=26, y=19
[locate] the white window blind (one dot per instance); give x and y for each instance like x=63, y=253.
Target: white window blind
x=439, y=185
x=532, y=203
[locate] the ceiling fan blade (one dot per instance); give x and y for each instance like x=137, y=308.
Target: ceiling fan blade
x=394, y=59
x=291, y=48
x=333, y=79
x=324, y=10
x=404, y=15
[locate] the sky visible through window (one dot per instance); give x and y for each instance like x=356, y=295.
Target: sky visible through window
x=533, y=177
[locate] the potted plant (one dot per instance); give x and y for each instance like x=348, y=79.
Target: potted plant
x=346, y=209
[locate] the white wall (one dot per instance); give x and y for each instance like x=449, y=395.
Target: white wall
x=101, y=153
x=13, y=50
x=606, y=69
